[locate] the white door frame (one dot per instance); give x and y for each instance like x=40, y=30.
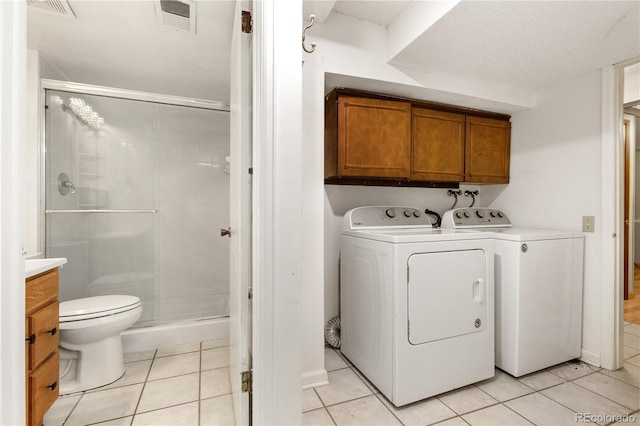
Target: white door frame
x=13, y=57
x=277, y=213
x=612, y=211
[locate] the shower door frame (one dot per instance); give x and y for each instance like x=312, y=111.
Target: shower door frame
x=109, y=92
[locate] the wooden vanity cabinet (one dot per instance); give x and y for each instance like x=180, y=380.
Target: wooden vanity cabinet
x=368, y=138
x=41, y=344
x=487, y=156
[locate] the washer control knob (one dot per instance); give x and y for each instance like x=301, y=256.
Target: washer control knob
x=493, y=214
x=407, y=213
x=390, y=213
x=480, y=214
x=458, y=215
x=500, y=214
x=416, y=213
x=466, y=214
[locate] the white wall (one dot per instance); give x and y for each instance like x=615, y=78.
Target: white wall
x=631, y=83
x=31, y=167
x=37, y=67
x=555, y=178
x=12, y=134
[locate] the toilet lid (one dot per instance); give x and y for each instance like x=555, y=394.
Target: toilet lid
x=97, y=306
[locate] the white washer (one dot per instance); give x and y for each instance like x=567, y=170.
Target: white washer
x=538, y=290
x=417, y=310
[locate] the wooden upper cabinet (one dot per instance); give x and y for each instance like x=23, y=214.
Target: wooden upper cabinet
x=437, y=152
x=374, y=137
x=487, y=150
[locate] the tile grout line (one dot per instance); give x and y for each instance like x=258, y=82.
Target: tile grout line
x=324, y=407
x=144, y=385
x=617, y=402
x=388, y=409
x=516, y=413
x=199, y=384
x=66, y=419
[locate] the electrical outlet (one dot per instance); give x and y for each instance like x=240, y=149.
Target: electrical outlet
x=588, y=223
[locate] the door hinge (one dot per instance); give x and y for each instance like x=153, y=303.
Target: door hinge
x=250, y=292
x=247, y=22
x=250, y=170
x=247, y=380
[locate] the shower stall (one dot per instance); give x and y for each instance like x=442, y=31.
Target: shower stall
x=136, y=187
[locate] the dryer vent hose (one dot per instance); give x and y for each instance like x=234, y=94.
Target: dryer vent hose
x=332, y=332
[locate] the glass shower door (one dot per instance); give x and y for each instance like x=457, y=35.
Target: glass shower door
x=99, y=204
x=135, y=192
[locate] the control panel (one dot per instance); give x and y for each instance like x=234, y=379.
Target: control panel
x=385, y=217
x=479, y=217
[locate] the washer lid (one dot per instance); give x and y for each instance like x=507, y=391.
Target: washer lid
x=533, y=234
x=418, y=235
x=97, y=306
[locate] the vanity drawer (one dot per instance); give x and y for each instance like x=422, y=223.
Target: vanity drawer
x=41, y=290
x=43, y=388
x=44, y=334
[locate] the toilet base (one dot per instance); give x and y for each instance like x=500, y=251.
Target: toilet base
x=96, y=364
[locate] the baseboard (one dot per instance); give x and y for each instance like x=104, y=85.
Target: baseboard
x=312, y=379
x=171, y=334
x=590, y=358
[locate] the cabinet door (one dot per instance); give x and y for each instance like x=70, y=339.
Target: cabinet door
x=437, y=152
x=44, y=325
x=43, y=389
x=374, y=137
x=487, y=150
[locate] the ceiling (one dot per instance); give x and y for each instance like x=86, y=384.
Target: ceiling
x=524, y=44
x=121, y=44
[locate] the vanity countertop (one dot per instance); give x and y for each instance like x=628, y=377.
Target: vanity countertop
x=37, y=266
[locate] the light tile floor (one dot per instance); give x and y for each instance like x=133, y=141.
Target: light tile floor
x=184, y=385
x=553, y=396
x=189, y=385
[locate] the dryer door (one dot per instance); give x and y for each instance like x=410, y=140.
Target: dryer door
x=447, y=294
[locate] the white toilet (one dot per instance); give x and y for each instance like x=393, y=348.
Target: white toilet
x=90, y=344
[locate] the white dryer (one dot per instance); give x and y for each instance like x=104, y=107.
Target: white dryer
x=538, y=290
x=417, y=311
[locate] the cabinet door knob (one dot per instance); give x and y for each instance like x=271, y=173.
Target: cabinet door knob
x=31, y=339
x=53, y=386
x=53, y=331
x=225, y=232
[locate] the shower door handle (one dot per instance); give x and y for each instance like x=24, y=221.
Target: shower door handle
x=225, y=232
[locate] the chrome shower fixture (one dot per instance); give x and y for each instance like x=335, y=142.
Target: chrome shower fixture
x=65, y=185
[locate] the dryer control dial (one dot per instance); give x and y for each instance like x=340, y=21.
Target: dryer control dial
x=475, y=217
x=390, y=213
x=407, y=213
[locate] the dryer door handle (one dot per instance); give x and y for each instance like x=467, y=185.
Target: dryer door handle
x=478, y=290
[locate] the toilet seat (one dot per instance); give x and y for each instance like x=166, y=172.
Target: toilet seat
x=96, y=307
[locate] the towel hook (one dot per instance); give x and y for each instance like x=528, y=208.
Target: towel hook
x=312, y=18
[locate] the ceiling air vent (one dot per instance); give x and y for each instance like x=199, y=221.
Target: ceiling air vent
x=52, y=7
x=177, y=14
